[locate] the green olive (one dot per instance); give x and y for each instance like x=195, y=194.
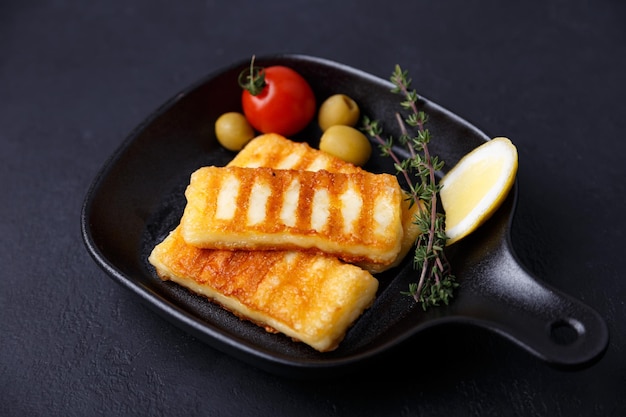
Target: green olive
x=338, y=109
x=233, y=131
x=347, y=143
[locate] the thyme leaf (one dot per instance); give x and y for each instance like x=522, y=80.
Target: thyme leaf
x=436, y=283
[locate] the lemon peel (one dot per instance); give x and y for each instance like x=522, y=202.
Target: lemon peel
x=477, y=185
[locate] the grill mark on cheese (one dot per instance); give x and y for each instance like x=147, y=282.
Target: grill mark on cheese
x=311, y=298
x=303, y=211
x=257, y=222
x=271, y=150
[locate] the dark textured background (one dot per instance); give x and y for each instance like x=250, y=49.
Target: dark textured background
x=76, y=77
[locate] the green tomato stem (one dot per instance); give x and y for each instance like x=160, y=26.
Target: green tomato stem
x=252, y=79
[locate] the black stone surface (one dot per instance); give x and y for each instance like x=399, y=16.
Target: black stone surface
x=77, y=77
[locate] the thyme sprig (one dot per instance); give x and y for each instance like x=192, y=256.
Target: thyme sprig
x=436, y=283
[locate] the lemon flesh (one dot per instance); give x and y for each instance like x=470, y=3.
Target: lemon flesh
x=476, y=186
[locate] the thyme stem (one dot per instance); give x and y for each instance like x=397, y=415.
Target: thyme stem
x=435, y=284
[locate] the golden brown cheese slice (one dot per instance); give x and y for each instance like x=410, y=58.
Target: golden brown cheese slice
x=310, y=298
x=276, y=151
x=355, y=216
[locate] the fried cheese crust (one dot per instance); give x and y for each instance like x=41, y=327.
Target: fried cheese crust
x=354, y=216
x=310, y=298
x=276, y=151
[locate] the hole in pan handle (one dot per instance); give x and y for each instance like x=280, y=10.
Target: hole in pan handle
x=500, y=295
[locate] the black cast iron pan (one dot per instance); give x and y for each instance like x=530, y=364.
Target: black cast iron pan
x=137, y=198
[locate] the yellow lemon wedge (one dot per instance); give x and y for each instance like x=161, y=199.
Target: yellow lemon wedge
x=476, y=186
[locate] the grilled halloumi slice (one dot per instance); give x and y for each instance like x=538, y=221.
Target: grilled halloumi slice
x=310, y=298
x=276, y=151
x=356, y=217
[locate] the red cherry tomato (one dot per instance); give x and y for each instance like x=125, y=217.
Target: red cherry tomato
x=277, y=99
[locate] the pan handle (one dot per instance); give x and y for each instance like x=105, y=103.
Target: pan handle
x=500, y=295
